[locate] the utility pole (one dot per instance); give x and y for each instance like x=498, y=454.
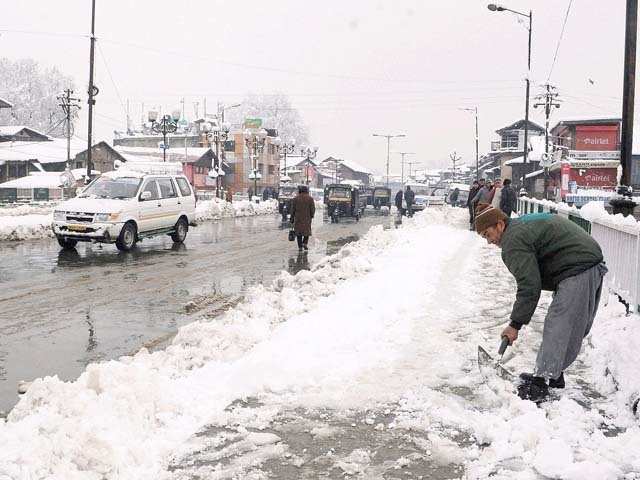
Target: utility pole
x=68, y=104
x=410, y=165
x=388, y=137
x=475, y=111
x=548, y=100
x=402, y=164
x=454, y=160
x=93, y=90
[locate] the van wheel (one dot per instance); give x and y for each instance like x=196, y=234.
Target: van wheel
x=127, y=238
x=67, y=243
x=180, y=231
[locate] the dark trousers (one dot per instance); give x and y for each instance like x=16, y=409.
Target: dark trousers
x=302, y=240
x=409, y=209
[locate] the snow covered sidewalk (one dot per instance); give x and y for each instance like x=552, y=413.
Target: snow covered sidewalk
x=21, y=224
x=380, y=340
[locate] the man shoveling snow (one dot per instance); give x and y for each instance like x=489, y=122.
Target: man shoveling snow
x=547, y=252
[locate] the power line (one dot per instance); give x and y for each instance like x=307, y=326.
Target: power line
x=564, y=24
x=115, y=87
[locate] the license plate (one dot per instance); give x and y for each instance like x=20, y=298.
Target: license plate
x=77, y=228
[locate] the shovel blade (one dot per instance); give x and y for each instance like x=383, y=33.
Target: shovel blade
x=486, y=363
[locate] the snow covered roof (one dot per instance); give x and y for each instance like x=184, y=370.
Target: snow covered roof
x=177, y=154
x=9, y=130
x=53, y=151
x=515, y=161
x=35, y=180
x=534, y=174
x=5, y=104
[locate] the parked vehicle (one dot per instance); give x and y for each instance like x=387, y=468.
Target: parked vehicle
x=343, y=200
x=381, y=197
x=286, y=193
x=125, y=206
x=424, y=196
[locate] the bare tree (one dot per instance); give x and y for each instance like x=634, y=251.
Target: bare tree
x=276, y=111
x=32, y=90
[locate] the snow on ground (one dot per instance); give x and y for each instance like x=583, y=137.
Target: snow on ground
x=23, y=223
x=391, y=321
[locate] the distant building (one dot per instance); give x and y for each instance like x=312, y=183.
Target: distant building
x=587, y=154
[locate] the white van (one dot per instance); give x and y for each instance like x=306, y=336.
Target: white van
x=125, y=206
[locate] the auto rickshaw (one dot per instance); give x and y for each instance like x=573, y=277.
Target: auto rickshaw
x=343, y=200
x=286, y=193
x=367, y=193
x=381, y=197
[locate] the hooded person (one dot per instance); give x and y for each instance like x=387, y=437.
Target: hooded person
x=547, y=252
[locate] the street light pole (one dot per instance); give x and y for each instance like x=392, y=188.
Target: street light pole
x=475, y=111
x=498, y=8
x=255, y=142
x=309, y=154
x=166, y=125
x=403, y=154
x=388, y=137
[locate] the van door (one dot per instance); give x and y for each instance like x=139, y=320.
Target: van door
x=169, y=200
x=149, y=210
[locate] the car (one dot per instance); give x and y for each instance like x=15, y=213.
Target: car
x=125, y=206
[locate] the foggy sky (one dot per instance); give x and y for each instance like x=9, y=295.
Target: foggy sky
x=352, y=68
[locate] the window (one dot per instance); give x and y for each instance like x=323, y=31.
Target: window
x=167, y=190
x=230, y=146
x=79, y=165
x=272, y=169
x=151, y=186
x=510, y=140
x=183, y=185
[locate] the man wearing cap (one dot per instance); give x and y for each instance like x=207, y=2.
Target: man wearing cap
x=547, y=252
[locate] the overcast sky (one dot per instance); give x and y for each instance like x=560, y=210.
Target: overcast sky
x=352, y=68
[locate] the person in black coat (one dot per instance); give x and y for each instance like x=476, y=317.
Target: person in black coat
x=399, y=202
x=472, y=193
x=509, y=199
x=409, y=196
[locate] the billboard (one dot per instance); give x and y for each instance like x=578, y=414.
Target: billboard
x=597, y=137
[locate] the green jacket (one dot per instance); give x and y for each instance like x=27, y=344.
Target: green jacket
x=540, y=250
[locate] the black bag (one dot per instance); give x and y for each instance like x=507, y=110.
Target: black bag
x=292, y=235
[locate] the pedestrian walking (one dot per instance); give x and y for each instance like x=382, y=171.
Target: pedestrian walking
x=303, y=208
x=483, y=195
x=547, y=252
x=398, y=201
x=453, y=197
x=475, y=186
x=496, y=194
x=508, y=198
x=409, y=196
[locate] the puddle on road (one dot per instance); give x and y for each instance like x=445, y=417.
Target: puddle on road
x=334, y=245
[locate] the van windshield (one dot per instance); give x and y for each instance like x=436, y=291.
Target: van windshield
x=105, y=187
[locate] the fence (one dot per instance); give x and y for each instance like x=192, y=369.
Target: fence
x=620, y=246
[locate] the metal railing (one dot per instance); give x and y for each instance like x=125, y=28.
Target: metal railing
x=620, y=246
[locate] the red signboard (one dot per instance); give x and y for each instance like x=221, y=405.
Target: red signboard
x=595, y=177
x=597, y=137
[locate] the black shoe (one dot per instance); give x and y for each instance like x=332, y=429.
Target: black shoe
x=553, y=383
x=537, y=390
x=305, y=247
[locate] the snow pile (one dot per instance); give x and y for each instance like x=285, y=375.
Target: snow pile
x=393, y=319
x=216, y=209
x=37, y=209
x=23, y=227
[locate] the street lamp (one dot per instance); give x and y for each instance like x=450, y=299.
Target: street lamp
x=168, y=124
x=255, y=142
x=219, y=134
x=309, y=153
x=284, y=148
x=402, y=162
x=475, y=111
x=388, y=137
x=499, y=8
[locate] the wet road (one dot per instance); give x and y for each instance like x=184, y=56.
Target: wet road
x=60, y=310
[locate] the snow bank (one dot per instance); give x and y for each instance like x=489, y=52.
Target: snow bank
x=394, y=320
x=25, y=227
x=216, y=209
x=38, y=209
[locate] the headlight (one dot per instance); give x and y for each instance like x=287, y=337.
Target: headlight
x=106, y=217
x=59, y=215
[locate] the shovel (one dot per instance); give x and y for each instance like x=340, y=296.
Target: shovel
x=485, y=361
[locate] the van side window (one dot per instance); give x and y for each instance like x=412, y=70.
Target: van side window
x=184, y=187
x=152, y=187
x=167, y=190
